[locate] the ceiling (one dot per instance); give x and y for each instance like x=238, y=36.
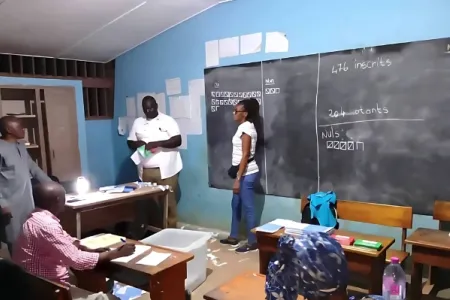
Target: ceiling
x=91, y=30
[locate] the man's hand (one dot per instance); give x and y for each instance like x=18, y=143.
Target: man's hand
x=125, y=250
x=151, y=146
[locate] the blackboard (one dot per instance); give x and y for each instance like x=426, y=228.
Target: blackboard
x=371, y=124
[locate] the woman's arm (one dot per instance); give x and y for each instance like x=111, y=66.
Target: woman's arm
x=246, y=144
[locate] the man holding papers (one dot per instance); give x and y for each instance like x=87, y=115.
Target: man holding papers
x=160, y=135
x=44, y=249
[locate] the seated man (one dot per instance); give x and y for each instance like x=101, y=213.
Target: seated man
x=44, y=249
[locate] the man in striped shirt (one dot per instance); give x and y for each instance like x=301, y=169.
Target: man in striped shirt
x=44, y=249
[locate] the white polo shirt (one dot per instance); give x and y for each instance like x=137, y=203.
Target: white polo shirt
x=161, y=128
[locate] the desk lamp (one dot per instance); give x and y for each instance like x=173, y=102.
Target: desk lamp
x=82, y=186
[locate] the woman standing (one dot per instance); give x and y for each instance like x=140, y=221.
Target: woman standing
x=245, y=172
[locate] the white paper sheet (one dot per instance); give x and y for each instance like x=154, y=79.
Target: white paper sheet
x=180, y=107
x=153, y=259
x=130, y=122
x=139, y=250
x=131, y=107
x=101, y=241
x=136, y=158
x=251, y=43
x=229, y=47
x=212, y=53
x=122, y=125
x=161, y=100
x=173, y=86
x=276, y=42
x=140, y=96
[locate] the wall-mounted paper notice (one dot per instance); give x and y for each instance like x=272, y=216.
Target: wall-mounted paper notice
x=122, y=126
x=161, y=100
x=180, y=107
x=173, y=86
x=229, y=47
x=276, y=42
x=139, y=97
x=212, y=53
x=131, y=107
x=130, y=122
x=251, y=43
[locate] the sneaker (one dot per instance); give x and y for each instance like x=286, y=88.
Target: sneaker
x=229, y=241
x=247, y=248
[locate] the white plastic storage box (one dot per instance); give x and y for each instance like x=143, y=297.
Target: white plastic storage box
x=194, y=242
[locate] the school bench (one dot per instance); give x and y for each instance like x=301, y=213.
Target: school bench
x=378, y=214
x=441, y=213
x=48, y=290
x=250, y=285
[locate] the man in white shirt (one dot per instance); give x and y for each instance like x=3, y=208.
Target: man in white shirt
x=161, y=135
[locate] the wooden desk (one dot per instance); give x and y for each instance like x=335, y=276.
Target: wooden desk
x=163, y=282
x=360, y=260
x=101, y=210
x=429, y=247
x=249, y=285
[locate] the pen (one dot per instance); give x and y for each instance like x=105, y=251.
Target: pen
x=123, y=240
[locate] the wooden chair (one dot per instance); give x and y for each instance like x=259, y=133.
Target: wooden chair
x=441, y=213
x=49, y=290
x=39, y=287
x=379, y=214
x=251, y=285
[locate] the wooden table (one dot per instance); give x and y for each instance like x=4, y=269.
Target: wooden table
x=364, y=261
x=429, y=247
x=249, y=285
x=163, y=282
x=100, y=210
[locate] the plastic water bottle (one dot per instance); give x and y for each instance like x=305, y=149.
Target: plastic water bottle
x=394, y=281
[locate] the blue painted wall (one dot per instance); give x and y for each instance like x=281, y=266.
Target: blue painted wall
x=95, y=162
x=312, y=26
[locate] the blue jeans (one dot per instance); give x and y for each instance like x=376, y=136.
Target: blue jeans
x=244, y=202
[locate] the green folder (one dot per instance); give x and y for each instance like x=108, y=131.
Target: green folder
x=144, y=152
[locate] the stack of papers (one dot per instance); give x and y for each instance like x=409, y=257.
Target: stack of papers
x=140, y=249
x=153, y=259
x=292, y=227
x=101, y=241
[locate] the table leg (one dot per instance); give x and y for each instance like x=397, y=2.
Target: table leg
x=78, y=221
x=416, y=281
x=264, y=259
x=169, y=285
x=376, y=276
x=166, y=210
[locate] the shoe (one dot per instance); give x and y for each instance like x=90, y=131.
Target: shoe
x=247, y=248
x=229, y=241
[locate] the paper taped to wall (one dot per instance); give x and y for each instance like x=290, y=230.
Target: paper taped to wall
x=212, y=53
x=122, y=125
x=180, y=107
x=161, y=100
x=251, y=43
x=276, y=42
x=173, y=86
x=229, y=47
x=131, y=107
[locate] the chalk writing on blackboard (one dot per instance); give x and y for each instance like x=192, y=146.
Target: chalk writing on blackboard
x=227, y=98
x=379, y=62
x=345, y=145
